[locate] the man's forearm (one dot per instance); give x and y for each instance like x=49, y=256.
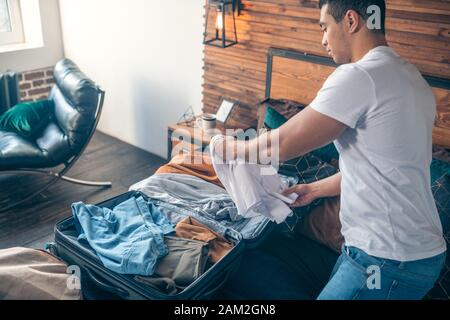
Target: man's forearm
x=261, y=148
x=306, y=131
x=328, y=187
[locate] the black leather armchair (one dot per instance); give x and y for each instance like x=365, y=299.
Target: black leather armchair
x=78, y=105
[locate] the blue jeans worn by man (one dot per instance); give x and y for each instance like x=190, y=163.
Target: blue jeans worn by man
x=359, y=276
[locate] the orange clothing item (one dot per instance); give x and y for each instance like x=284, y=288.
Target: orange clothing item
x=189, y=228
x=196, y=164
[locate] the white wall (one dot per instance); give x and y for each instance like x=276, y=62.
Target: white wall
x=46, y=56
x=146, y=54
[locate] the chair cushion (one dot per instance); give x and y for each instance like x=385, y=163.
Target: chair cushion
x=50, y=149
x=27, y=119
x=17, y=152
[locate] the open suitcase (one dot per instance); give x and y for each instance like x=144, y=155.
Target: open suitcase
x=93, y=273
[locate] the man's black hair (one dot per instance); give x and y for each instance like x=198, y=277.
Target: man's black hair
x=338, y=8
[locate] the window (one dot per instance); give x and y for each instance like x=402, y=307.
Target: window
x=5, y=20
x=20, y=25
x=11, y=26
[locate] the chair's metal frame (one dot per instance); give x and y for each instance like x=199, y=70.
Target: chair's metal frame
x=61, y=175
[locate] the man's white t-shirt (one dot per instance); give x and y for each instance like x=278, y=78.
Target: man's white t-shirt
x=387, y=207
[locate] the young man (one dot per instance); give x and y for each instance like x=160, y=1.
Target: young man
x=380, y=113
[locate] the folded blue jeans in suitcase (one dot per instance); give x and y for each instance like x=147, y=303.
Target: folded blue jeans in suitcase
x=128, y=239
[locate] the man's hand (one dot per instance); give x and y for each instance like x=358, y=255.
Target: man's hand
x=306, y=194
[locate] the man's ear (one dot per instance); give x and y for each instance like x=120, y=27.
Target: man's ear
x=353, y=21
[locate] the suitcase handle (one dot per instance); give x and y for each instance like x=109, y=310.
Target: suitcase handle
x=107, y=287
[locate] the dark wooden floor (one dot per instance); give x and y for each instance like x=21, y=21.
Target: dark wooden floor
x=106, y=158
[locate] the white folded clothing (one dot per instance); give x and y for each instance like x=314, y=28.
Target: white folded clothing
x=253, y=193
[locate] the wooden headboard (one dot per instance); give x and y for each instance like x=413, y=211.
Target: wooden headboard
x=299, y=76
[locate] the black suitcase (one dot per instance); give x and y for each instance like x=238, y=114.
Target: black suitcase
x=95, y=275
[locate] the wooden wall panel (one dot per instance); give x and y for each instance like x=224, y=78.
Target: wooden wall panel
x=419, y=30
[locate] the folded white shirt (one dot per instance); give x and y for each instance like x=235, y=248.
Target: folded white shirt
x=253, y=193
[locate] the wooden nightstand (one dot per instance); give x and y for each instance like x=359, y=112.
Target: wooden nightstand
x=189, y=136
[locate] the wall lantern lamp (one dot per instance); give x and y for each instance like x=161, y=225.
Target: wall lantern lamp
x=220, y=26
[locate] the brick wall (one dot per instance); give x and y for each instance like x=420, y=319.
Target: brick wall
x=36, y=84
